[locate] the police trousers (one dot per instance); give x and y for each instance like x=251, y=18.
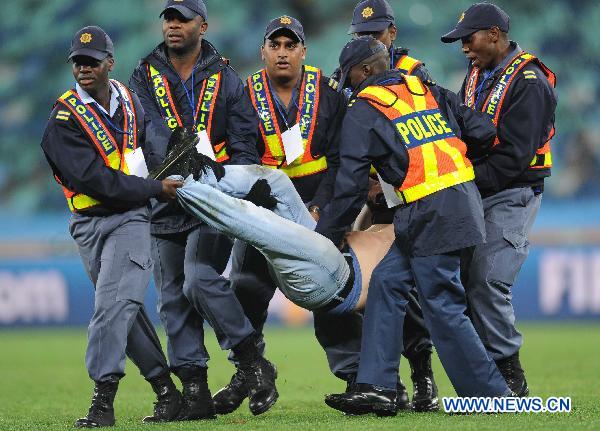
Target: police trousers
x=115, y=251
x=442, y=297
x=187, y=272
x=489, y=270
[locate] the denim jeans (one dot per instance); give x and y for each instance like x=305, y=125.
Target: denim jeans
x=307, y=267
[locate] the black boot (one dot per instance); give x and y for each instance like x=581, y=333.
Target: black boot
x=101, y=412
x=168, y=400
x=197, y=402
x=229, y=398
x=259, y=375
x=425, y=394
x=363, y=399
x=513, y=373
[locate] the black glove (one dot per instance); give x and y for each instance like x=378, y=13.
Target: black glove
x=180, y=150
x=260, y=195
x=202, y=163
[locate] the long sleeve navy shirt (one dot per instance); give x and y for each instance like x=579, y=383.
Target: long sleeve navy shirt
x=525, y=121
x=75, y=160
x=316, y=189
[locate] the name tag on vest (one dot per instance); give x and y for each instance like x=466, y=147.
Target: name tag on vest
x=136, y=163
x=204, y=146
x=292, y=143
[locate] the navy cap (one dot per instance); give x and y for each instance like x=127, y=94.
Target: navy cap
x=479, y=16
x=285, y=23
x=354, y=52
x=372, y=16
x=190, y=9
x=93, y=42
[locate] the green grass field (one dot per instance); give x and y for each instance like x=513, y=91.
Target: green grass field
x=44, y=385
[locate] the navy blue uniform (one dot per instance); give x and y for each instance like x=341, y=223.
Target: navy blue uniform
x=234, y=120
x=113, y=240
x=367, y=136
x=250, y=276
x=79, y=166
x=191, y=256
x=429, y=234
x=511, y=193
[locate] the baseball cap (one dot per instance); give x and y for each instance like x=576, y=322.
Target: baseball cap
x=190, y=9
x=479, y=16
x=285, y=22
x=354, y=52
x=371, y=15
x=91, y=41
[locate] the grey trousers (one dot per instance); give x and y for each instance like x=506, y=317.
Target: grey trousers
x=187, y=272
x=115, y=251
x=489, y=270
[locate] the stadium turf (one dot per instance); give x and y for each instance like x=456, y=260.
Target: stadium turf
x=44, y=385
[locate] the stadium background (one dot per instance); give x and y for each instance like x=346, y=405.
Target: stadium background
x=45, y=297
x=41, y=279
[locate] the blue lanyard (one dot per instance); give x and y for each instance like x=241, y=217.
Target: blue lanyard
x=191, y=98
x=392, y=65
x=280, y=108
x=108, y=120
x=486, y=76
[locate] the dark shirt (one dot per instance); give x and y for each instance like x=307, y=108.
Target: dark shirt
x=448, y=220
x=526, y=118
x=234, y=120
x=79, y=166
x=315, y=189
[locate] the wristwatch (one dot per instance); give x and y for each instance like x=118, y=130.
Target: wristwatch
x=314, y=209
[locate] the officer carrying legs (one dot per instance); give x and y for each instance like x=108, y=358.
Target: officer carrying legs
x=185, y=82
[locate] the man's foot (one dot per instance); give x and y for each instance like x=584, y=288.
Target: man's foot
x=402, y=400
x=229, y=398
x=197, y=402
x=425, y=393
x=513, y=373
x=364, y=399
x=168, y=400
x=101, y=412
x=260, y=376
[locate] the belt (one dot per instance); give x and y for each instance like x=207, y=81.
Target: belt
x=343, y=294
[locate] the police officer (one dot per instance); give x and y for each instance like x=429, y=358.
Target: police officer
x=376, y=18
x=291, y=97
x=516, y=91
x=91, y=129
x=406, y=131
x=185, y=82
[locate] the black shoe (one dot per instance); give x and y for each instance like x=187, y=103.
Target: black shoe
x=513, y=373
x=229, y=398
x=101, y=412
x=260, y=376
x=364, y=399
x=425, y=392
x=197, y=402
x=402, y=400
x=168, y=400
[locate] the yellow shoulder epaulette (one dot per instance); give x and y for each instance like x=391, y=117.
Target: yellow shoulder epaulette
x=333, y=83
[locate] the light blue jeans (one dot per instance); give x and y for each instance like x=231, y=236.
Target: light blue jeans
x=308, y=268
